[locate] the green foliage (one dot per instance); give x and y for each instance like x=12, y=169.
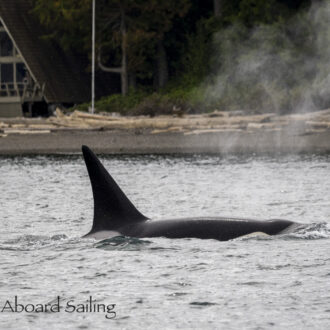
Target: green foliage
x=177, y=100
x=254, y=12
x=67, y=21
x=196, y=57
x=214, y=61
x=146, y=21
x=117, y=102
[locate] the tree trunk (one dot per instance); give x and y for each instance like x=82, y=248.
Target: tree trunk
x=122, y=70
x=217, y=4
x=161, y=74
x=124, y=74
x=132, y=80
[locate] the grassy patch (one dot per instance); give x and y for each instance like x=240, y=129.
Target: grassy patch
x=173, y=100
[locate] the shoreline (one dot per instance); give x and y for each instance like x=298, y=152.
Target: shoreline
x=144, y=142
x=216, y=133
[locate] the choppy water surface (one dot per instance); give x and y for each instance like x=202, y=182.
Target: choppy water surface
x=252, y=283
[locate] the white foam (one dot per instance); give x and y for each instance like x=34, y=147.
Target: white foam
x=103, y=234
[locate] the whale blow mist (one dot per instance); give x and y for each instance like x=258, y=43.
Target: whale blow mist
x=277, y=68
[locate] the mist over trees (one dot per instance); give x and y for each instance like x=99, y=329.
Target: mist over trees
x=179, y=45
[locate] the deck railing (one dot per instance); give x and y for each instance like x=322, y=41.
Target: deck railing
x=23, y=90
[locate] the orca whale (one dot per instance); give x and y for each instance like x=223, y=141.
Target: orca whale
x=115, y=215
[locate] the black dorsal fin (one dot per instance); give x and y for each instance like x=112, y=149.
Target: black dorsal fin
x=112, y=209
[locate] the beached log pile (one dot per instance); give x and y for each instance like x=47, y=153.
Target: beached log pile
x=217, y=121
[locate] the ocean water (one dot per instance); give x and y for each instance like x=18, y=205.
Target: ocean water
x=256, y=282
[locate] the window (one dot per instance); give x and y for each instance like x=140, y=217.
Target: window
x=21, y=72
x=7, y=73
x=6, y=45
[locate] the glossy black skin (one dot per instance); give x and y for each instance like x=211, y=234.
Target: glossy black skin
x=113, y=212
x=204, y=228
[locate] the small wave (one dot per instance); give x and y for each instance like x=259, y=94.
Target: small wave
x=121, y=243
x=31, y=242
x=202, y=303
x=311, y=231
x=260, y=236
x=253, y=283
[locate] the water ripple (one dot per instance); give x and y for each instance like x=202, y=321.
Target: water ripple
x=122, y=243
x=247, y=283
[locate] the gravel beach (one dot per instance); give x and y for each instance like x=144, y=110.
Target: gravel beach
x=130, y=142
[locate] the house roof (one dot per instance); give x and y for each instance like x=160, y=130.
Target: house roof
x=64, y=78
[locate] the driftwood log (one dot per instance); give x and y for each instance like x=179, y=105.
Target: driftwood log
x=217, y=121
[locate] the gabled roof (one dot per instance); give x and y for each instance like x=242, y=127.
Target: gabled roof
x=64, y=78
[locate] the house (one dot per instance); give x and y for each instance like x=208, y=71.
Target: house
x=35, y=74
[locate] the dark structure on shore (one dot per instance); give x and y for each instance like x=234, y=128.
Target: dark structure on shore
x=36, y=75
